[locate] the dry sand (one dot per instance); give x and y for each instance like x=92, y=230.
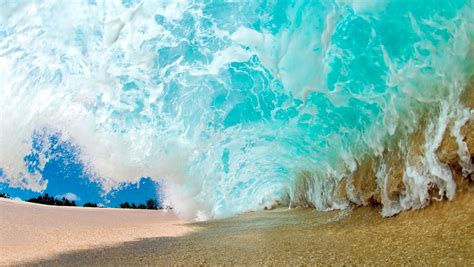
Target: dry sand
x=29, y=232
x=442, y=233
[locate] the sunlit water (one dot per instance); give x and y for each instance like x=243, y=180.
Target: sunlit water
x=227, y=103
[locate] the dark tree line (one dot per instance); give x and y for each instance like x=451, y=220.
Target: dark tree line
x=50, y=200
x=151, y=204
x=90, y=205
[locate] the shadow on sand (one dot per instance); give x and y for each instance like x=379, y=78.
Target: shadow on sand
x=443, y=233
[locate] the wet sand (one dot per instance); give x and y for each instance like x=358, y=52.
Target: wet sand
x=30, y=232
x=442, y=233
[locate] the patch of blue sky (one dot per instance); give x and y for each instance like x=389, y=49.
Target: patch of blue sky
x=66, y=174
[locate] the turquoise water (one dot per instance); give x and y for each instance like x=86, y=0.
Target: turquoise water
x=228, y=103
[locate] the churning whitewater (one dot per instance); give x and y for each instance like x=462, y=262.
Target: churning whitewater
x=241, y=106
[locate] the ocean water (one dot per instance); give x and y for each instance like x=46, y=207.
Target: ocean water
x=237, y=106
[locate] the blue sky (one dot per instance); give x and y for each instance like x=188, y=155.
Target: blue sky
x=66, y=177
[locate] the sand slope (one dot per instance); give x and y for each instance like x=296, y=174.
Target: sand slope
x=31, y=231
x=441, y=234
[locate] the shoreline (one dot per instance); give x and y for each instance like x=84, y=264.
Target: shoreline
x=442, y=233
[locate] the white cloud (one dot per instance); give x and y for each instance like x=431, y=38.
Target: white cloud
x=70, y=196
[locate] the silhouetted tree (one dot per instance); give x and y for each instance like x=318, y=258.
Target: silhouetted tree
x=90, y=205
x=4, y=195
x=50, y=200
x=65, y=202
x=151, y=204
x=125, y=205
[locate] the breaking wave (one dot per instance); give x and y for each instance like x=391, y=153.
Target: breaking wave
x=241, y=106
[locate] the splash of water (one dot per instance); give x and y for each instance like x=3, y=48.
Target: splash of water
x=230, y=102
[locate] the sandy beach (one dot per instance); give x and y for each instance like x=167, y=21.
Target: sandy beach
x=442, y=233
x=30, y=232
